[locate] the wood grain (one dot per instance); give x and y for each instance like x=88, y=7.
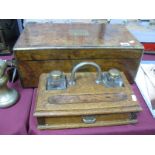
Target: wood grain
x=76, y=121
x=87, y=98
x=67, y=36
x=45, y=47
x=76, y=54
x=85, y=85
x=31, y=70
x=69, y=115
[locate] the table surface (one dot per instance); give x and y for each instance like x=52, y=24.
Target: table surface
x=19, y=118
x=145, y=125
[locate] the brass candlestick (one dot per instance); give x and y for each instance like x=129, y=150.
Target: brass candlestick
x=8, y=96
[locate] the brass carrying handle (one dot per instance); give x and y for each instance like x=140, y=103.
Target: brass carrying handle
x=78, y=66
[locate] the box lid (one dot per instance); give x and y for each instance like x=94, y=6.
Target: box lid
x=75, y=36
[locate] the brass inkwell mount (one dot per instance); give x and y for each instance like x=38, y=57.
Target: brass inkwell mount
x=8, y=96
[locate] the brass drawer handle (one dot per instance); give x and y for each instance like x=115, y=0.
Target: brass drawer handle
x=78, y=66
x=89, y=119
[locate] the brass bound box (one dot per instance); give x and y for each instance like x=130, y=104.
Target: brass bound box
x=44, y=47
x=85, y=99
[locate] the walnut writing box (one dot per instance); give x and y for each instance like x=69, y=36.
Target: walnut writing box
x=44, y=47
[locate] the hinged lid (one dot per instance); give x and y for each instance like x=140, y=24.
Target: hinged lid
x=75, y=36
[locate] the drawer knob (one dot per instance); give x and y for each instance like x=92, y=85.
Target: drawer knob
x=89, y=119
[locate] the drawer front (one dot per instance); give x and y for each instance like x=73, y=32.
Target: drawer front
x=82, y=121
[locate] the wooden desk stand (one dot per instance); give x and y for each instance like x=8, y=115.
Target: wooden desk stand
x=86, y=104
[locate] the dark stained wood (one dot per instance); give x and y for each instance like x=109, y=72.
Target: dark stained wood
x=47, y=36
x=45, y=47
x=69, y=115
x=74, y=54
x=31, y=70
x=87, y=98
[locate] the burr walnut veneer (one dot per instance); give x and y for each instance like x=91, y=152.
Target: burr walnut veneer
x=44, y=47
